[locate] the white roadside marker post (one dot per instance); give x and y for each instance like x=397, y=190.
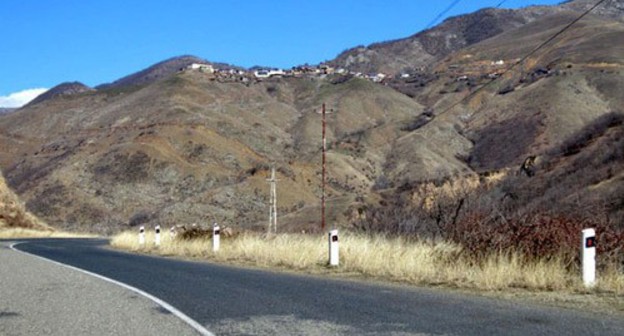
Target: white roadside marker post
x=142, y=235
x=333, y=248
x=216, y=237
x=588, y=257
x=157, y=237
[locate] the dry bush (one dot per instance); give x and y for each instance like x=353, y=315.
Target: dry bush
x=504, y=144
x=194, y=232
x=584, y=137
x=537, y=236
x=482, y=226
x=13, y=213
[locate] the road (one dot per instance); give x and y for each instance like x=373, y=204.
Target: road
x=235, y=301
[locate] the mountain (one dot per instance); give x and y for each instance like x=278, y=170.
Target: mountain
x=613, y=9
x=429, y=46
x=63, y=89
x=4, y=110
x=186, y=146
x=154, y=72
x=424, y=48
x=559, y=111
x=159, y=71
x=189, y=148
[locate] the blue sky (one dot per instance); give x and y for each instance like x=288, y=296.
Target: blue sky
x=46, y=42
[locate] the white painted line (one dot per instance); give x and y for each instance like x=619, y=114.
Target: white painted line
x=194, y=324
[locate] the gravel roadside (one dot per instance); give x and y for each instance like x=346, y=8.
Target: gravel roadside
x=41, y=298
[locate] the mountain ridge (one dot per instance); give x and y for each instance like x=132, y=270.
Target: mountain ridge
x=63, y=89
x=182, y=147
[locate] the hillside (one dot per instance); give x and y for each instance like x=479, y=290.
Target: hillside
x=191, y=149
x=179, y=147
x=424, y=48
x=158, y=71
x=560, y=111
x=12, y=211
x=63, y=89
x=554, y=94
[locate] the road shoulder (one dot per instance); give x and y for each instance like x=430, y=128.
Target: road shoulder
x=42, y=298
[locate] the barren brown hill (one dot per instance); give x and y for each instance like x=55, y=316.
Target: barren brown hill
x=190, y=149
x=184, y=147
x=158, y=71
x=424, y=48
x=558, y=114
x=63, y=89
x=429, y=46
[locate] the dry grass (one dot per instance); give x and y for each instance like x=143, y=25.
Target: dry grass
x=13, y=213
x=392, y=259
x=11, y=233
x=17, y=222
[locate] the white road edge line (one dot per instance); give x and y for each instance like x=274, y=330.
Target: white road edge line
x=194, y=324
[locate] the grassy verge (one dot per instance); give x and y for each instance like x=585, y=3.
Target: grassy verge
x=10, y=233
x=382, y=258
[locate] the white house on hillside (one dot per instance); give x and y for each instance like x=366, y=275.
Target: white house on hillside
x=268, y=73
x=202, y=67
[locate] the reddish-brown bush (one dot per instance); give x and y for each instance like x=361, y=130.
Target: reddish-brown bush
x=537, y=236
x=482, y=229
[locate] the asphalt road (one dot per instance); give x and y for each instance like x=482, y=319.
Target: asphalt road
x=234, y=301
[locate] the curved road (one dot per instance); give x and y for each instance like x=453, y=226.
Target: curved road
x=234, y=301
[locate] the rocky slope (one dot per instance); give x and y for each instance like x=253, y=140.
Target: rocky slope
x=188, y=148
x=169, y=147
x=425, y=48
x=13, y=213
x=158, y=71
x=63, y=89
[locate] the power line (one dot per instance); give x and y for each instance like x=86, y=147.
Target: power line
x=523, y=59
x=446, y=10
x=501, y=3
x=451, y=6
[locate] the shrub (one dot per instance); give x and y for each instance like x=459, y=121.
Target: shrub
x=195, y=232
x=483, y=227
x=538, y=236
x=583, y=138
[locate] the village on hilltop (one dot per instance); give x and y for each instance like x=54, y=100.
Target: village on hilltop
x=467, y=70
x=255, y=75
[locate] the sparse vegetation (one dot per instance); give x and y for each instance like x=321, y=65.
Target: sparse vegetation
x=17, y=222
x=167, y=147
x=422, y=262
x=589, y=133
x=479, y=224
x=12, y=233
x=13, y=213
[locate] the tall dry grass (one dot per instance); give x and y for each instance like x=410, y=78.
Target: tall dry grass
x=12, y=233
x=384, y=258
x=16, y=221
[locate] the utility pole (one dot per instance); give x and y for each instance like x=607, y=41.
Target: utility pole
x=273, y=202
x=323, y=173
x=334, y=258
